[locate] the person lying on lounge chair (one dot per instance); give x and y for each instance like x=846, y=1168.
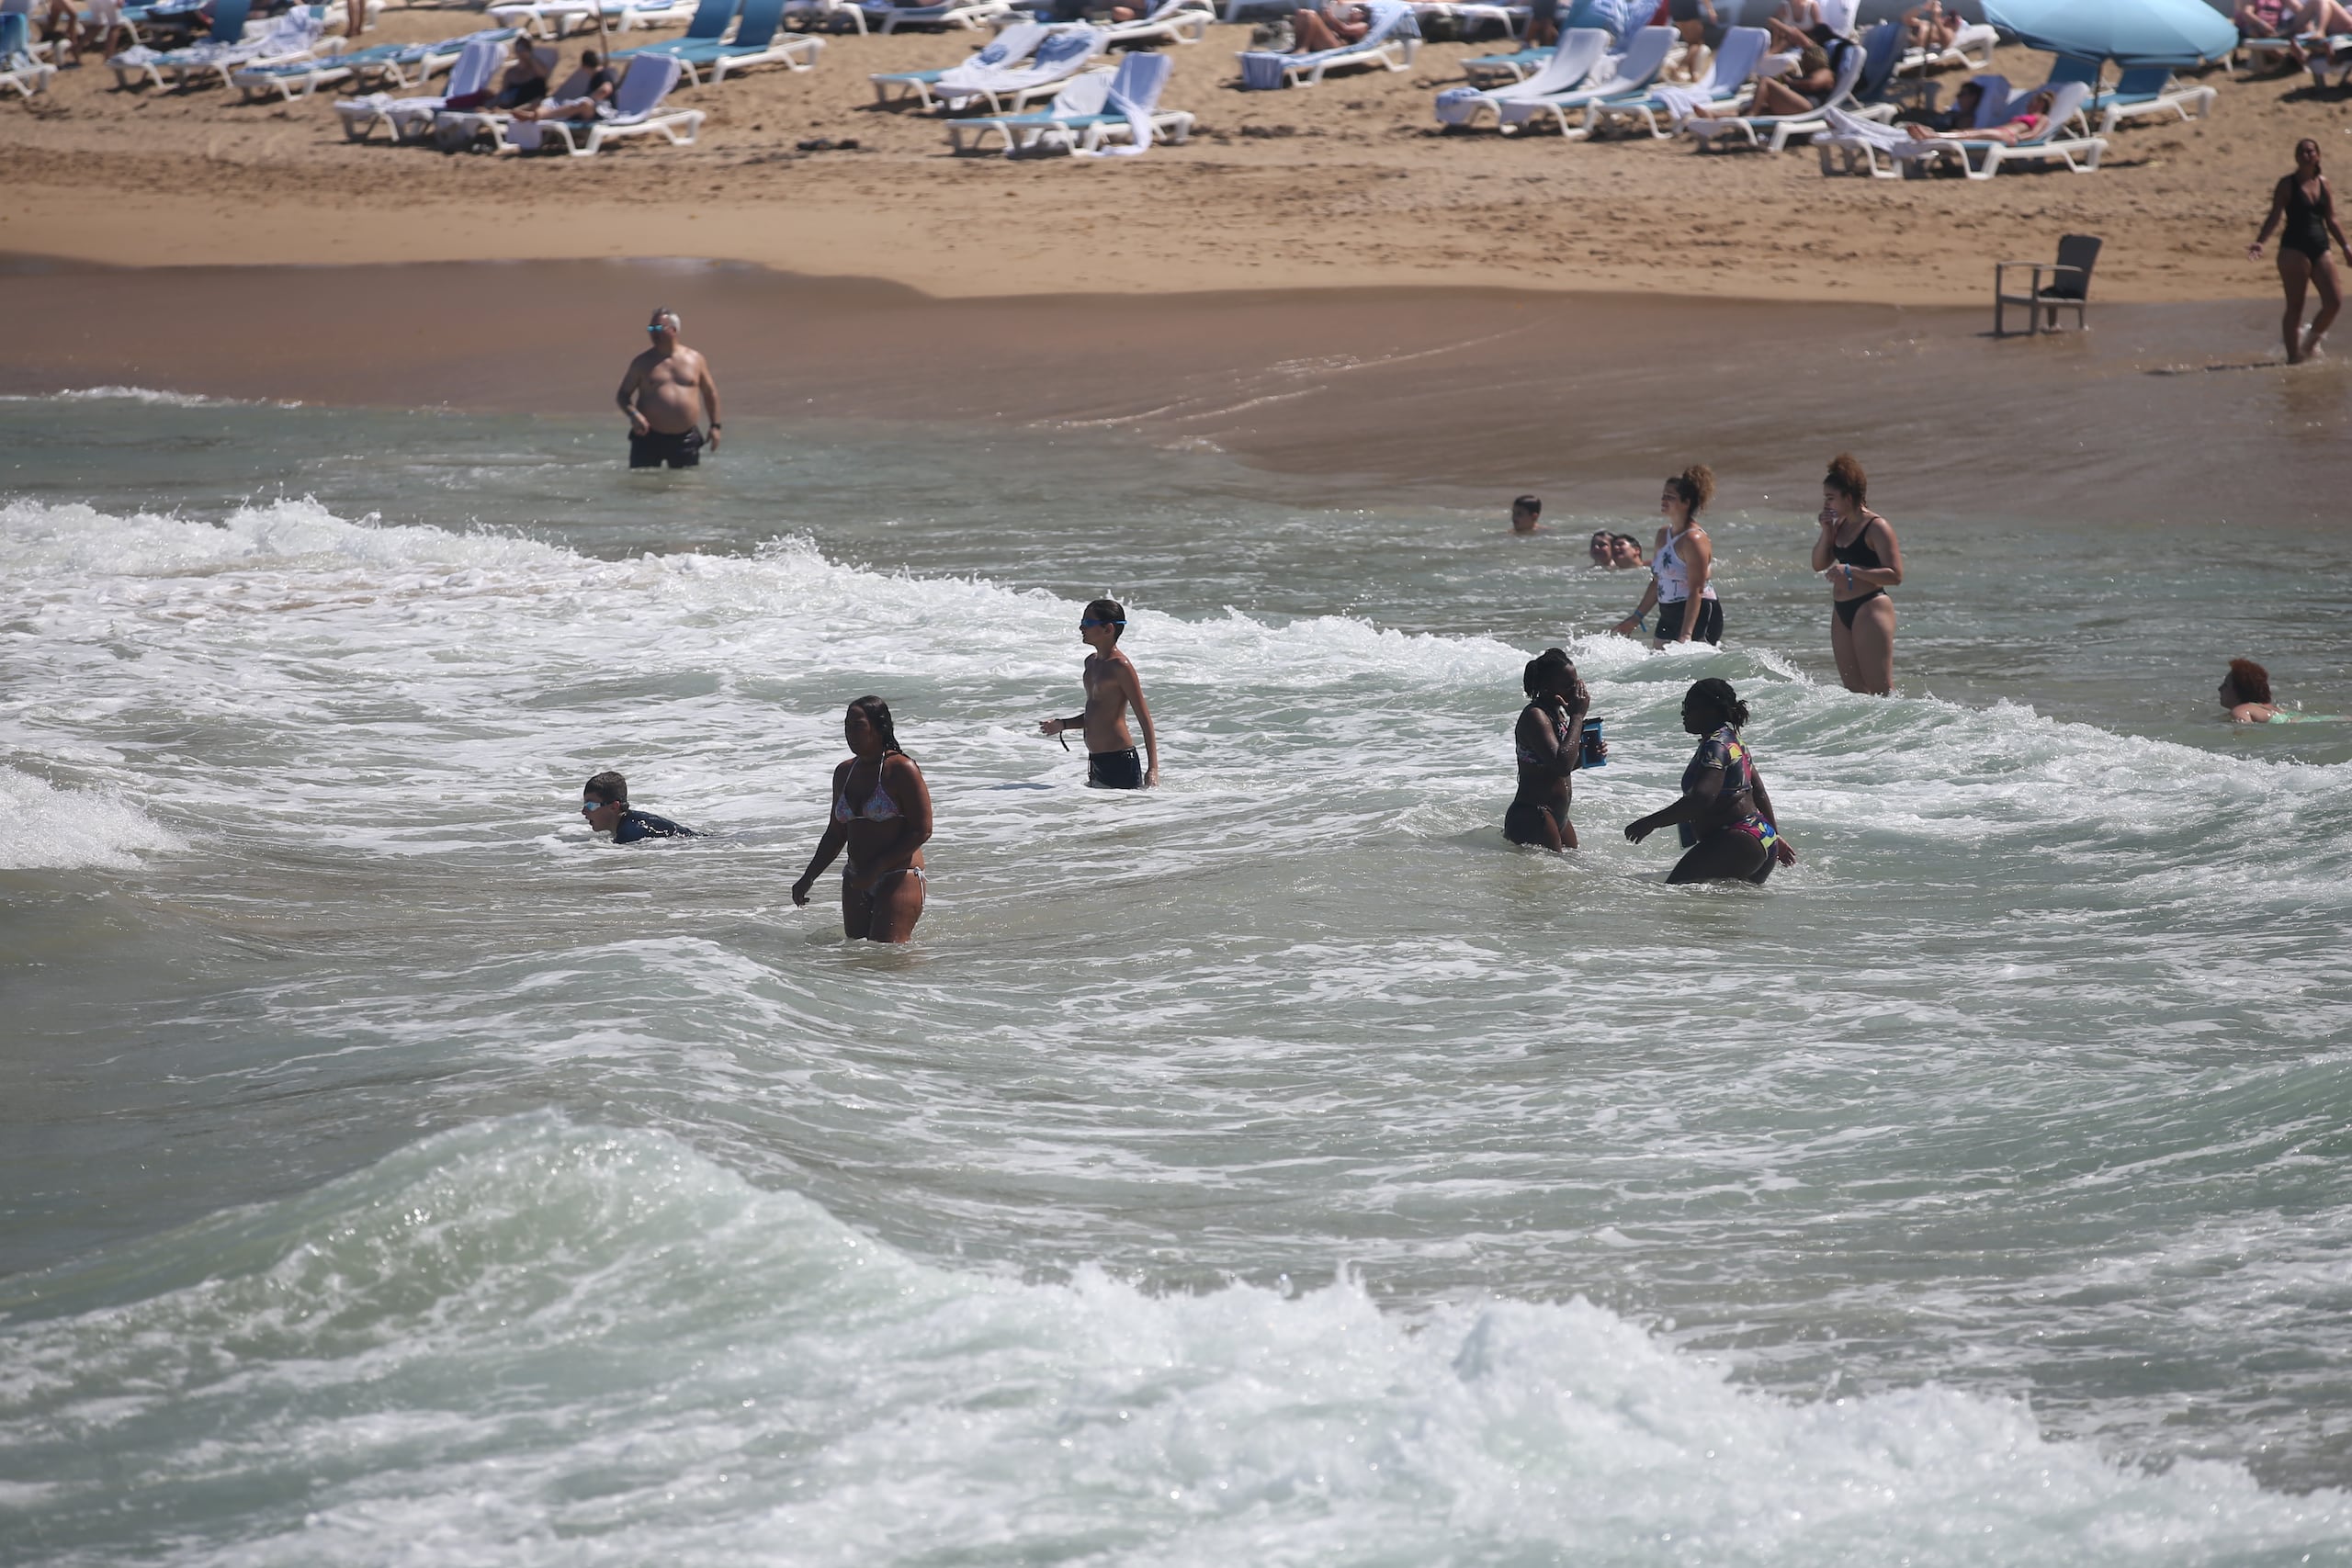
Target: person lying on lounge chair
x=2029, y=120
x=603, y=81
x=1800, y=90
x=1336, y=28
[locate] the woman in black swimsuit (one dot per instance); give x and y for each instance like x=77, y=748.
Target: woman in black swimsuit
x=2303, y=202
x=882, y=815
x=1550, y=738
x=1856, y=555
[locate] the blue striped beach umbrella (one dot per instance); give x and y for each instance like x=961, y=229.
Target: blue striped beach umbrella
x=2130, y=32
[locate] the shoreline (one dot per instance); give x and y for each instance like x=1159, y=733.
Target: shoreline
x=1451, y=395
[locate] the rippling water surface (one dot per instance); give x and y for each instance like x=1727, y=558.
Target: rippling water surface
x=1277, y=1167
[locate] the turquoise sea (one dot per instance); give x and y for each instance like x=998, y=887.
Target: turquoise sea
x=1275, y=1168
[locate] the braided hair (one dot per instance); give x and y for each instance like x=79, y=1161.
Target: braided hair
x=1717, y=695
x=877, y=714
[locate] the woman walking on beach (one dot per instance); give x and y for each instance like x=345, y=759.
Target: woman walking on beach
x=1725, y=816
x=882, y=814
x=1550, y=740
x=1856, y=552
x=2302, y=201
x=1680, y=566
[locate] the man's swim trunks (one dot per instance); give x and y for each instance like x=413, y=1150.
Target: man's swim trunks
x=636, y=825
x=1115, y=770
x=651, y=450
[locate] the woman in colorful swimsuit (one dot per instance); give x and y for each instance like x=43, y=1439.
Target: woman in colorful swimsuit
x=2304, y=204
x=1550, y=741
x=1856, y=555
x=1725, y=816
x=882, y=814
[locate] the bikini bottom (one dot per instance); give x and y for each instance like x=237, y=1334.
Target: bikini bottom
x=1848, y=608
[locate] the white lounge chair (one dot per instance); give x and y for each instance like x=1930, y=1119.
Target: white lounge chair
x=636, y=111
x=475, y=65
x=2143, y=93
x=19, y=71
x=1390, y=42
x=1176, y=21
x=290, y=38
x=1972, y=46
x=140, y=63
x=1888, y=152
x=454, y=130
x=552, y=18
x=1083, y=113
x=1725, y=84
x=756, y=42
x=408, y=64
x=1577, y=55
x=1636, y=70
x=1775, y=130
x=881, y=16
x=1059, y=56
x=1010, y=47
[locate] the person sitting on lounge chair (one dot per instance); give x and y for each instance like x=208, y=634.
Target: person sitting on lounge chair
x=1316, y=31
x=1929, y=26
x=2029, y=120
x=1800, y=90
x=1961, y=113
x=603, y=81
x=524, y=83
x=2264, y=18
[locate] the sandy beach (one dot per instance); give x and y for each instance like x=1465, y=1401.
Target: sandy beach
x=1348, y=185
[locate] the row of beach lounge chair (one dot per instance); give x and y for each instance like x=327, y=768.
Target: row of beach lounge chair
x=1585, y=89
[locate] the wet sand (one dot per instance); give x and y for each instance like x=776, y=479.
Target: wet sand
x=2169, y=412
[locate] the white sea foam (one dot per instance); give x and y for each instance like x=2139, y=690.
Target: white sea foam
x=691, y=1368
x=133, y=395
x=60, y=828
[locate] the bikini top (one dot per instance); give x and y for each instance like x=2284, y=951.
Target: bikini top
x=1859, y=553
x=879, y=806
x=1560, y=721
x=1673, y=577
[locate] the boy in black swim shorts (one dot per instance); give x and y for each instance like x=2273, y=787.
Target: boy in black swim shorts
x=1112, y=687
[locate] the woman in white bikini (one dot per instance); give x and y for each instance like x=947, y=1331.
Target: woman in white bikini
x=882, y=814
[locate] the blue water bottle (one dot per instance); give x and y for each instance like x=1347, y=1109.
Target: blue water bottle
x=1588, y=742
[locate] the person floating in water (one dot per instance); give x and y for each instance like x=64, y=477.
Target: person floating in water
x=1549, y=737
x=1680, y=569
x=2246, y=692
x=667, y=394
x=1526, y=515
x=882, y=815
x=1856, y=555
x=1725, y=816
x=1112, y=687
x=603, y=800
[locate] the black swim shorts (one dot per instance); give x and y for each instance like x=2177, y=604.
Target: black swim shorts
x=651, y=450
x=1115, y=770
x=1710, y=627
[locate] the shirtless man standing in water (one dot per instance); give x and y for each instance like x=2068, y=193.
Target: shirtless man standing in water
x=666, y=394
x=1112, y=684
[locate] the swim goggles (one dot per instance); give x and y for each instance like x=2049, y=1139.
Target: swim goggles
x=1088, y=624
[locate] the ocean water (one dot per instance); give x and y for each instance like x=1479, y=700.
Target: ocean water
x=1277, y=1167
